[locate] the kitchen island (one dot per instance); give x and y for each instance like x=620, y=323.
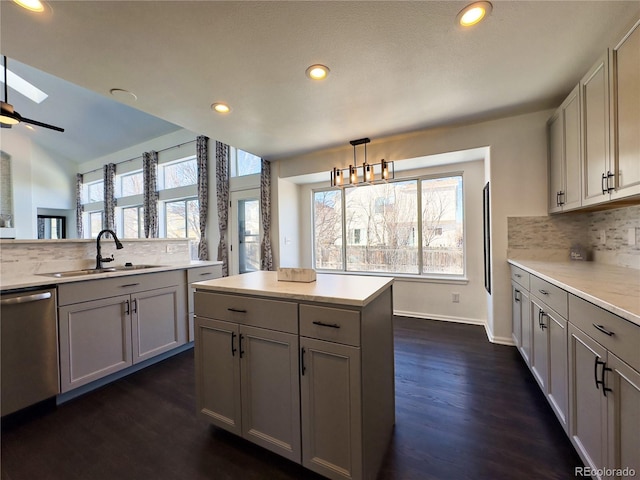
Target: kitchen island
x=305, y=370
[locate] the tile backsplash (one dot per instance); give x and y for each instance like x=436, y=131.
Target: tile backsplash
x=612, y=236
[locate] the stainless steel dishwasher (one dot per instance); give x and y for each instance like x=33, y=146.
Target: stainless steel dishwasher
x=29, y=342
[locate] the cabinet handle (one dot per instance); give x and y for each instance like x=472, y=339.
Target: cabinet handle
x=604, y=330
x=129, y=285
x=602, y=380
x=134, y=306
x=602, y=184
x=610, y=175
x=516, y=295
x=126, y=307
x=237, y=310
x=560, y=198
x=240, y=345
x=541, y=316
x=331, y=325
x=233, y=349
x=605, y=389
x=543, y=292
x=303, y=368
x=517, y=275
x=206, y=273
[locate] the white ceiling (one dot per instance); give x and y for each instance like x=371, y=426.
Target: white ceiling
x=395, y=66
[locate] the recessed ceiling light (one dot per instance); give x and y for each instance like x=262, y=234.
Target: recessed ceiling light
x=221, y=107
x=122, y=94
x=317, y=72
x=474, y=13
x=32, y=5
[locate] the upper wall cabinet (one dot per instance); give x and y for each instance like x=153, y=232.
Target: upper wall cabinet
x=596, y=159
x=625, y=114
x=564, y=155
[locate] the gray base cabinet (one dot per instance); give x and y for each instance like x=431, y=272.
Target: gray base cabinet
x=110, y=324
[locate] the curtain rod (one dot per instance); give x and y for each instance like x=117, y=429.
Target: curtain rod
x=140, y=156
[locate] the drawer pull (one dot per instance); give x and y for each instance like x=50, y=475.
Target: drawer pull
x=330, y=325
x=206, y=273
x=303, y=368
x=129, y=285
x=240, y=345
x=604, y=330
x=543, y=292
x=237, y=310
x=517, y=275
x=233, y=348
x=516, y=295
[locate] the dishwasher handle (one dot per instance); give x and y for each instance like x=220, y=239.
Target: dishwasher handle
x=25, y=298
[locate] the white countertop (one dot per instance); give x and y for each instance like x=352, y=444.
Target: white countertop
x=616, y=289
x=338, y=289
x=20, y=280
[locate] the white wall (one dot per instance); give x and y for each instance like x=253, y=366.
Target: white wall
x=517, y=170
x=41, y=179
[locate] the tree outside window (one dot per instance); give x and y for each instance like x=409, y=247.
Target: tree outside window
x=182, y=219
x=133, y=222
x=180, y=174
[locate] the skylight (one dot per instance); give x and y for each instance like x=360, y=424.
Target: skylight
x=23, y=87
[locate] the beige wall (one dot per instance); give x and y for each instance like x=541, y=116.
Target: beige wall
x=517, y=170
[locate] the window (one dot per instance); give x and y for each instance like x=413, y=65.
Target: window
x=95, y=224
x=182, y=219
x=178, y=174
x=95, y=192
x=412, y=226
x=133, y=222
x=244, y=163
x=131, y=184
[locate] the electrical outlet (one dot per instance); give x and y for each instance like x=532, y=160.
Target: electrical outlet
x=455, y=297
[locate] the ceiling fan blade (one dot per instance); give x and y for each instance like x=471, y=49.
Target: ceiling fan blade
x=40, y=124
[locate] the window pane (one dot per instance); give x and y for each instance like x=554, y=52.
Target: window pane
x=132, y=222
x=327, y=214
x=193, y=219
x=131, y=184
x=247, y=163
x=442, y=226
x=95, y=224
x=183, y=219
x=180, y=174
x=95, y=192
x=385, y=218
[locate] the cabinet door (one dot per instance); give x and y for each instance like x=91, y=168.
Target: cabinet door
x=218, y=373
x=623, y=415
x=540, y=345
x=558, y=369
x=626, y=113
x=526, y=325
x=516, y=312
x=595, y=120
x=587, y=404
x=556, y=161
x=95, y=340
x=572, y=193
x=270, y=390
x=331, y=406
x=159, y=321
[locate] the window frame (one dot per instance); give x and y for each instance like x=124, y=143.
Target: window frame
x=420, y=276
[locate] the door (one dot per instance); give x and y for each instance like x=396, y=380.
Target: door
x=587, y=404
x=540, y=348
x=95, y=340
x=159, y=321
x=526, y=326
x=270, y=390
x=331, y=409
x=516, y=315
x=245, y=232
x=558, y=370
x=218, y=373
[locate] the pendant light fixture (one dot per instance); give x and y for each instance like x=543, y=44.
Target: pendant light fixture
x=370, y=173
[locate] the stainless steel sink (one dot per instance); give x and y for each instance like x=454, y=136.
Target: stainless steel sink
x=94, y=271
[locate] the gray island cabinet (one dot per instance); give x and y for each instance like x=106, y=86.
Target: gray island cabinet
x=305, y=370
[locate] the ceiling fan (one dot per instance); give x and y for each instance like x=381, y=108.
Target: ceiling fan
x=9, y=116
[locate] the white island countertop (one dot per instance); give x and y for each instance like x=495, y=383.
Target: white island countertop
x=352, y=290
x=616, y=289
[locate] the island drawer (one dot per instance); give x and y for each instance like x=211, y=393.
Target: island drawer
x=520, y=276
x=257, y=312
x=87, y=290
x=200, y=274
x=553, y=296
x=616, y=334
x=331, y=324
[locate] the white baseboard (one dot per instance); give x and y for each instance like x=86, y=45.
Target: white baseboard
x=470, y=321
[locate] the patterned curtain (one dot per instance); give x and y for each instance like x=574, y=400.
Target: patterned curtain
x=79, y=206
x=150, y=197
x=222, y=185
x=202, y=158
x=266, y=257
x=109, y=197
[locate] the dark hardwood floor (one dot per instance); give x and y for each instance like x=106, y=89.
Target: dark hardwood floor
x=465, y=409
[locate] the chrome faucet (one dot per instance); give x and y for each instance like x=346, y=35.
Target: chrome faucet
x=99, y=258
